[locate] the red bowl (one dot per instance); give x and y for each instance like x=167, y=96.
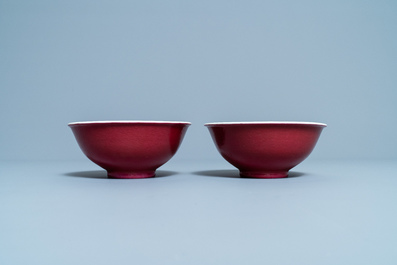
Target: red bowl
x=265, y=149
x=129, y=149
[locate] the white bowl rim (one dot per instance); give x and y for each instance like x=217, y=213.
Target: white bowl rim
x=266, y=122
x=128, y=121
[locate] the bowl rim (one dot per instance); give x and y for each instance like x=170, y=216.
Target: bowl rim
x=266, y=122
x=128, y=122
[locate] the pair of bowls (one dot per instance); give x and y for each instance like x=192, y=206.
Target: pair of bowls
x=135, y=149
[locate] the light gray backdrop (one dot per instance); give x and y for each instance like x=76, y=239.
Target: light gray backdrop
x=199, y=61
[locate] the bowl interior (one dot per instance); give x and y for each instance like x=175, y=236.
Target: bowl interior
x=248, y=123
x=128, y=122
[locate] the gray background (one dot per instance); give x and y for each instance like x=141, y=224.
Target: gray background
x=199, y=61
x=69, y=213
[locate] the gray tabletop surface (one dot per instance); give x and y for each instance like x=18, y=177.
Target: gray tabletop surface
x=198, y=212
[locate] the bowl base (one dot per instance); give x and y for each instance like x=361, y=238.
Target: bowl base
x=264, y=175
x=130, y=175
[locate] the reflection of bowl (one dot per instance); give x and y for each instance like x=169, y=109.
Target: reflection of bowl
x=265, y=149
x=129, y=149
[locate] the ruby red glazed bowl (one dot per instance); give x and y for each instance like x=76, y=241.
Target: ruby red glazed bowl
x=129, y=149
x=265, y=149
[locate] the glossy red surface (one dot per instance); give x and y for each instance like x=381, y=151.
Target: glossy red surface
x=265, y=150
x=129, y=149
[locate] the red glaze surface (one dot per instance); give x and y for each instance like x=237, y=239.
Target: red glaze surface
x=265, y=150
x=129, y=149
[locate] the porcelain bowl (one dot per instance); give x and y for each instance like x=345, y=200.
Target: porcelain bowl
x=129, y=149
x=265, y=149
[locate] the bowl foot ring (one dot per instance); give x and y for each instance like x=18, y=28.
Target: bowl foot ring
x=130, y=175
x=264, y=175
